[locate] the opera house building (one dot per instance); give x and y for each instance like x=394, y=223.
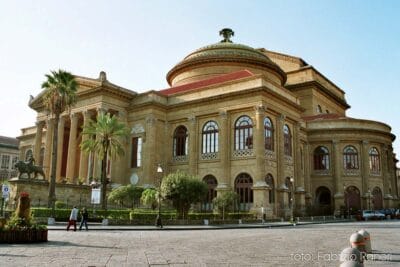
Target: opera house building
x=266, y=125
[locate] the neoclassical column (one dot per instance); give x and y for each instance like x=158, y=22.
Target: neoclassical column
x=72, y=149
x=119, y=163
x=282, y=189
x=338, y=181
x=259, y=143
x=260, y=187
x=60, y=147
x=149, y=159
x=96, y=161
x=38, y=140
x=365, y=169
x=84, y=158
x=307, y=171
x=192, y=145
x=299, y=203
x=224, y=152
x=48, y=146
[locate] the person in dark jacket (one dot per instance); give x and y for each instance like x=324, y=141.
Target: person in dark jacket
x=84, y=219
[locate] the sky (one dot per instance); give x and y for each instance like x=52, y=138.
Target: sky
x=354, y=43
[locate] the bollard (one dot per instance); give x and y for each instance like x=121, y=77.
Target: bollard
x=357, y=241
x=351, y=255
x=367, y=240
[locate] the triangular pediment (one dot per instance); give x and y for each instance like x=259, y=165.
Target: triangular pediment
x=89, y=86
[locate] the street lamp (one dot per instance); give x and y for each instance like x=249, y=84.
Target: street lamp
x=159, y=174
x=292, y=199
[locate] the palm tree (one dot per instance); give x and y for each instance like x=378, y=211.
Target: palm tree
x=107, y=131
x=59, y=95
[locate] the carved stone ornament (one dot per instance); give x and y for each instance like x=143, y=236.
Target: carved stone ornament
x=227, y=34
x=103, y=76
x=137, y=129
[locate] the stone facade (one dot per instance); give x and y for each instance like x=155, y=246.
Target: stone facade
x=9, y=153
x=264, y=124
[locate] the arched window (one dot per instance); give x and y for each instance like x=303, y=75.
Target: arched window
x=28, y=154
x=180, y=141
x=212, y=183
x=210, y=137
x=269, y=179
x=350, y=158
x=243, y=187
x=268, y=134
x=287, y=140
x=243, y=133
x=321, y=158
x=374, y=161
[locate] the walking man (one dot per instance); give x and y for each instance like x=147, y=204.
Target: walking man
x=73, y=218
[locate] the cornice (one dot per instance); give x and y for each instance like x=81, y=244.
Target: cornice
x=298, y=86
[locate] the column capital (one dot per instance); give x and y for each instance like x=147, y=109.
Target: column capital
x=40, y=124
x=223, y=114
x=101, y=110
x=73, y=116
x=281, y=117
x=151, y=119
x=87, y=114
x=365, y=142
x=335, y=142
x=122, y=114
x=260, y=109
x=192, y=118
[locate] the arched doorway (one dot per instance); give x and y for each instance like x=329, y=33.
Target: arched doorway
x=352, y=199
x=377, y=201
x=323, y=201
x=243, y=187
x=212, y=184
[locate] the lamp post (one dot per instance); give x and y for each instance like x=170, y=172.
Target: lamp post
x=159, y=173
x=292, y=200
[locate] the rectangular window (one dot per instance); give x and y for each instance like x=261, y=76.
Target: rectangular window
x=136, y=152
x=5, y=162
x=14, y=160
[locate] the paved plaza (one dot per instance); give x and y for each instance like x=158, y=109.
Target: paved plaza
x=302, y=245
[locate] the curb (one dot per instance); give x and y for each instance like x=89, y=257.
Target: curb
x=190, y=227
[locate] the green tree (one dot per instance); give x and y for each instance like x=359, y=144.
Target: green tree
x=226, y=202
x=149, y=197
x=59, y=95
x=104, y=139
x=126, y=194
x=183, y=190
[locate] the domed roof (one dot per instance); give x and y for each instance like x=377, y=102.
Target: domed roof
x=225, y=52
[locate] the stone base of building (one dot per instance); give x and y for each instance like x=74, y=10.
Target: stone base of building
x=70, y=194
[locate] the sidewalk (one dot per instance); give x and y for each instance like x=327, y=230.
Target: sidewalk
x=61, y=226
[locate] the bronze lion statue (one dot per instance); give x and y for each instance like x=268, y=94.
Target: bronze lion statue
x=28, y=168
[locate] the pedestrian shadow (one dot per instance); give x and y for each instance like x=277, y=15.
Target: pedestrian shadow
x=72, y=244
x=12, y=255
x=60, y=244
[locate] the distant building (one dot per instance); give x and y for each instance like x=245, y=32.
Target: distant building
x=266, y=125
x=9, y=154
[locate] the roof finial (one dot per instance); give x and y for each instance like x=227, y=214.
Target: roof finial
x=103, y=76
x=227, y=34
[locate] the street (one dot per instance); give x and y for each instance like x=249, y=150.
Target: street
x=307, y=245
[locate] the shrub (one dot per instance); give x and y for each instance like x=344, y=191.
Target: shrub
x=60, y=204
